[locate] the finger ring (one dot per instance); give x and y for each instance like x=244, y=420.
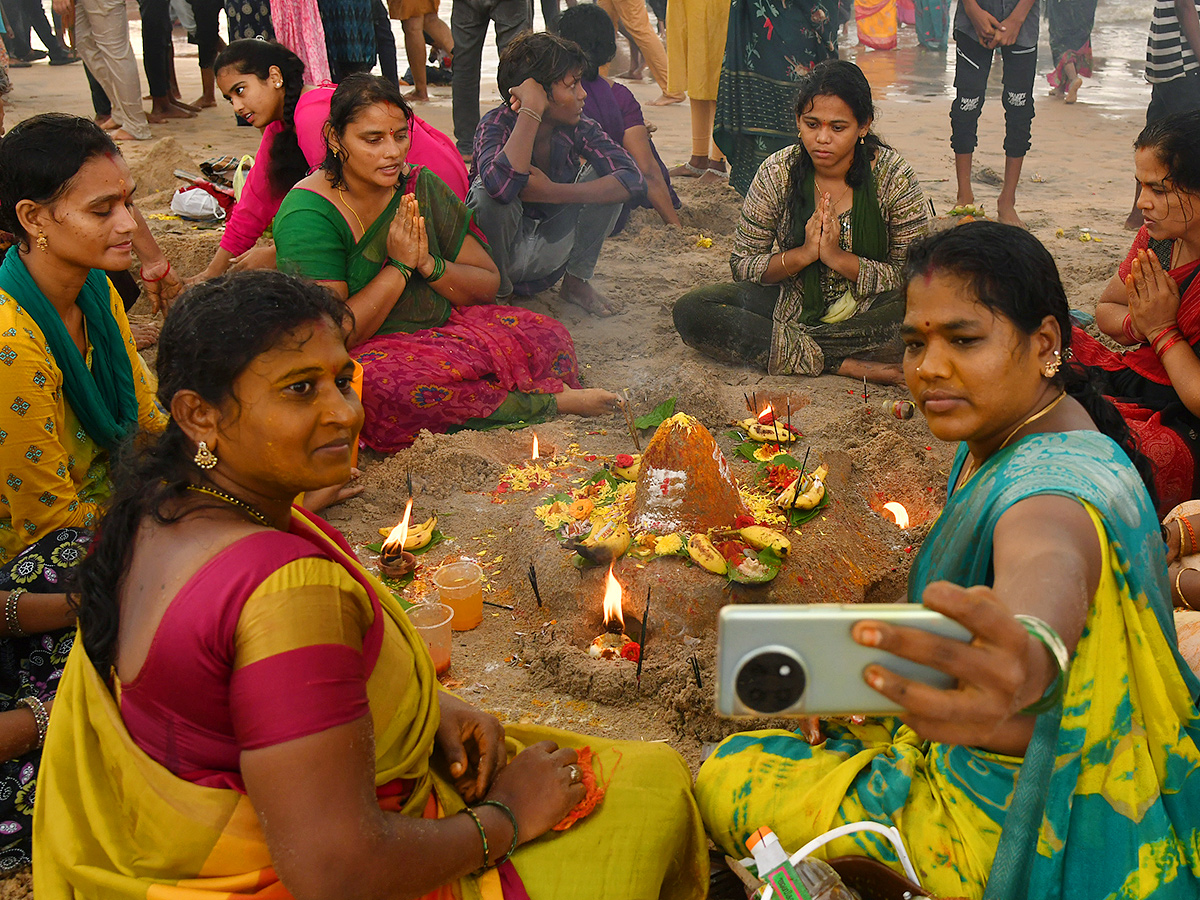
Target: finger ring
x=574, y=773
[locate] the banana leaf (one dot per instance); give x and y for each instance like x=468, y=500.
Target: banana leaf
x=656, y=416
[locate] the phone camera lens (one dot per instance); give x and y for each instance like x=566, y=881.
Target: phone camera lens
x=770, y=682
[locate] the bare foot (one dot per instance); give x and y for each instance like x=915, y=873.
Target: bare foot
x=693, y=168
x=668, y=99
x=323, y=498
x=1072, y=93
x=587, y=402
x=577, y=291
x=420, y=98
x=122, y=135
x=1006, y=212
x=874, y=372
x=715, y=176
x=145, y=334
x=109, y=124
x=187, y=107
x=204, y=103
x=161, y=114
x=965, y=198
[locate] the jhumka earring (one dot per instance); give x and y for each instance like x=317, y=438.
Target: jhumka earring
x=1051, y=368
x=204, y=457
x=42, y=243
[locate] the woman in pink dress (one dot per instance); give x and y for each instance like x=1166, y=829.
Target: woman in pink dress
x=265, y=83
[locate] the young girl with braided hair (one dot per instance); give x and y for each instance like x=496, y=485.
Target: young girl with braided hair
x=264, y=81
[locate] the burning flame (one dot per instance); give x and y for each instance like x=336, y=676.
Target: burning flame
x=395, y=541
x=535, y=447
x=899, y=513
x=612, y=599
x=767, y=416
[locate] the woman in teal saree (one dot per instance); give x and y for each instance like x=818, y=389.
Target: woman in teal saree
x=1031, y=779
x=399, y=247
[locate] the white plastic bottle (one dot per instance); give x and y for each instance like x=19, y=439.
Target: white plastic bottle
x=810, y=879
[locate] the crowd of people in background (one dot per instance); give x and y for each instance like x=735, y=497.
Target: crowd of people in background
x=171, y=515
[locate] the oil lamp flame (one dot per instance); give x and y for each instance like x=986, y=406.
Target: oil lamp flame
x=535, y=447
x=612, y=600
x=395, y=541
x=899, y=513
x=767, y=416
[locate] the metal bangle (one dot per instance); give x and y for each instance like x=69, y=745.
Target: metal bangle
x=526, y=111
x=482, y=835
x=1179, y=590
x=1059, y=654
x=512, y=818
x=41, y=718
x=10, y=613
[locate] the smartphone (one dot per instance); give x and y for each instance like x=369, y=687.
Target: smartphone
x=800, y=660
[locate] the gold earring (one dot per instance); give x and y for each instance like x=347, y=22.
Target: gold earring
x=204, y=457
x=42, y=243
x=1051, y=368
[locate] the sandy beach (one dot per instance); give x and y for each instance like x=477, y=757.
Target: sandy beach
x=529, y=663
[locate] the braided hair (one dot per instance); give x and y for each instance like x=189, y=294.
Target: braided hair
x=846, y=81
x=254, y=57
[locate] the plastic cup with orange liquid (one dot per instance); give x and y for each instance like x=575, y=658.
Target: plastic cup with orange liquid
x=432, y=621
x=460, y=586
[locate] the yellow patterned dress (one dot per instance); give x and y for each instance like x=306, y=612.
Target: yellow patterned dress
x=52, y=474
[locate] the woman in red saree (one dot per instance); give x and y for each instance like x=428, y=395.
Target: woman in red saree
x=1152, y=306
x=401, y=249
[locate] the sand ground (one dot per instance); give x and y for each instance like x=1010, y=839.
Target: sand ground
x=528, y=664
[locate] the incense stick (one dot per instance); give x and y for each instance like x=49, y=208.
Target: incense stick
x=696, y=671
x=498, y=605
x=533, y=584
x=410, y=483
x=637, y=441
x=746, y=397
x=796, y=494
x=789, y=415
x=864, y=390
x=642, y=642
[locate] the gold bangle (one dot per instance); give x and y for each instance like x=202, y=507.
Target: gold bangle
x=783, y=262
x=1179, y=590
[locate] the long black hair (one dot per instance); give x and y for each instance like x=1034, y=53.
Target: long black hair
x=212, y=334
x=589, y=26
x=39, y=159
x=254, y=57
x=846, y=81
x=1014, y=276
x=354, y=94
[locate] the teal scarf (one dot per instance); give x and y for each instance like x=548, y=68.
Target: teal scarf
x=1063, y=835
x=104, y=398
x=868, y=238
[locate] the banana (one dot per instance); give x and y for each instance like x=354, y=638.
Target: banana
x=604, y=544
x=704, y=554
x=767, y=433
x=418, y=535
x=760, y=538
x=807, y=495
x=629, y=472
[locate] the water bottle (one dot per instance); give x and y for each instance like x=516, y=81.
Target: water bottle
x=810, y=879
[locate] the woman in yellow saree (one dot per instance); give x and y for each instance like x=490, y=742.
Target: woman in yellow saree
x=1041, y=776
x=248, y=713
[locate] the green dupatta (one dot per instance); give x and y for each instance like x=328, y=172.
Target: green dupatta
x=868, y=237
x=447, y=221
x=103, y=398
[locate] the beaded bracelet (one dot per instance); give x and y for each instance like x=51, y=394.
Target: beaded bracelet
x=482, y=835
x=41, y=718
x=406, y=271
x=1191, y=536
x=10, y=612
x=512, y=818
x=142, y=275
x=1061, y=657
x=439, y=269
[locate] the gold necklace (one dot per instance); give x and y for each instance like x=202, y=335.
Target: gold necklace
x=342, y=194
x=229, y=498
x=970, y=471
